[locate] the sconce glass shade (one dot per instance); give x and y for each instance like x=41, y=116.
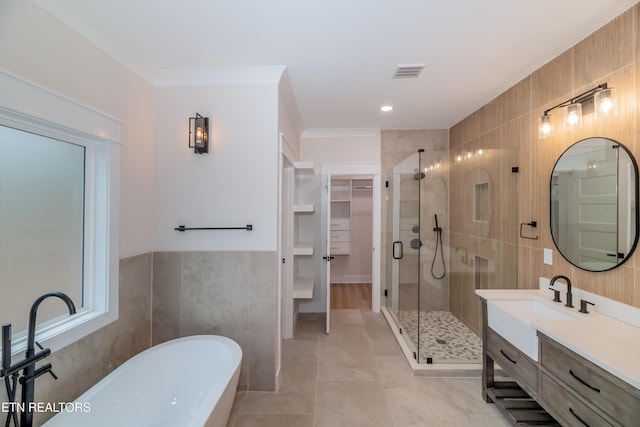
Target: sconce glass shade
x=605, y=103
x=199, y=134
x=544, y=130
x=573, y=116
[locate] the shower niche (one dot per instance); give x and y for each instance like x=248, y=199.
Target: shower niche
x=448, y=234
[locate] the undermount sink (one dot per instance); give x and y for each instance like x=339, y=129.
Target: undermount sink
x=513, y=318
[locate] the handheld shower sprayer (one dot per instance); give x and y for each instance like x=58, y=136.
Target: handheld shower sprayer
x=438, y=230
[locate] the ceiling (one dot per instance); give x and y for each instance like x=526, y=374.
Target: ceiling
x=341, y=55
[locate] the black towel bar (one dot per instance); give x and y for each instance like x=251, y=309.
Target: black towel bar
x=247, y=227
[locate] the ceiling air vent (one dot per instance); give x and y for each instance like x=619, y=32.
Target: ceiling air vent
x=408, y=71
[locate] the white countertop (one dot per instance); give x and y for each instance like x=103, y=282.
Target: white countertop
x=612, y=344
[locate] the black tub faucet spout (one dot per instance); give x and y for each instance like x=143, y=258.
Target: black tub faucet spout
x=29, y=372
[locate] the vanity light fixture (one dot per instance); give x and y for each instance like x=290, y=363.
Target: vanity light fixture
x=605, y=103
x=573, y=116
x=199, y=134
x=601, y=99
x=544, y=130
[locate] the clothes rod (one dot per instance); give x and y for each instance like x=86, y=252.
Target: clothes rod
x=247, y=227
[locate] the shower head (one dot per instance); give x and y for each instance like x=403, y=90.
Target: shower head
x=418, y=176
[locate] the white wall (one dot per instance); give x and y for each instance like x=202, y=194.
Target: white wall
x=340, y=146
x=233, y=185
x=38, y=48
x=289, y=121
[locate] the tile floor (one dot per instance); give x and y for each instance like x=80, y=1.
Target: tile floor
x=354, y=377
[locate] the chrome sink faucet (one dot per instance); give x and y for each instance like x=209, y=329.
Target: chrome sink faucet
x=569, y=302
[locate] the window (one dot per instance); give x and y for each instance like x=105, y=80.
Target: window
x=59, y=181
x=42, y=198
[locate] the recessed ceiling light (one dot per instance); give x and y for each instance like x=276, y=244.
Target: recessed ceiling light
x=386, y=108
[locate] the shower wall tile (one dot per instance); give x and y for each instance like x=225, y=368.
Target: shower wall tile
x=396, y=146
x=517, y=132
x=636, y=31
x=491, y=115
x=552, y=81
x=604, y=51
x=456, y=198
x=167, y=286
x=471, y=126
x=516, y=100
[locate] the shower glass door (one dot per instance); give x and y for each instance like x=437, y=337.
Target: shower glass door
x=403, y=232
x=451, y=229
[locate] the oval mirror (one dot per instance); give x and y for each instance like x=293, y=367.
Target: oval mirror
x=594, y=210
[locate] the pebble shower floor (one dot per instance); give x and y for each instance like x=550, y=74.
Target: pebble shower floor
x=443, y=337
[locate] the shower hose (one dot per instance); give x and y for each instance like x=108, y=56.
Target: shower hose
x=438, y=231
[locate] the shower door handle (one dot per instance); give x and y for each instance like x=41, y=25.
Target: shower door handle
x=398, y=244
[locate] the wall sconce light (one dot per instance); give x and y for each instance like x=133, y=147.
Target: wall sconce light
x=199, y=134
x=600, y=99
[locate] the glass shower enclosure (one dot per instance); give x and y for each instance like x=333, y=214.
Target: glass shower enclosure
x=451, y=229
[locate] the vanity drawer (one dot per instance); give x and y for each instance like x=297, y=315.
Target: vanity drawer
x=513, y=361
x=613, y=396
x=565, y=407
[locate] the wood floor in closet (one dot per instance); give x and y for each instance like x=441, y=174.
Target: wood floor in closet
x=351, y=296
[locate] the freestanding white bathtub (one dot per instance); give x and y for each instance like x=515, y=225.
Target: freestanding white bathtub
x=186, y=382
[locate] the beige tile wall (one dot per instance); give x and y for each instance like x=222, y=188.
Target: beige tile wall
x=611, y=54
x=83, y=363
x=226, y=293
x=230, y=293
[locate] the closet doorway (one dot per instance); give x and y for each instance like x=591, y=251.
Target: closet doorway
x=351, y=242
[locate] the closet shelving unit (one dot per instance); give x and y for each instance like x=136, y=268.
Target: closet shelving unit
x=340, y=216
x=303, y=251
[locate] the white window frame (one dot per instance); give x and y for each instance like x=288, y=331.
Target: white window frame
x=30, y=108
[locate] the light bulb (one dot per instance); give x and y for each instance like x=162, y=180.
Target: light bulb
x=544, y=131
x=573, y=116
x=605, y=103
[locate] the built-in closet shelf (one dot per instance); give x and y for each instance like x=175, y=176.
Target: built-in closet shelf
x=304, y=208
x=303, y=288
x=305, y=167
x=305, y=249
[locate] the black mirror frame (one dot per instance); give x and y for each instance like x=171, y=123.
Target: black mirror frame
x=637, y=207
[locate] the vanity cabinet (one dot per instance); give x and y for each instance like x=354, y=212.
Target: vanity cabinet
x=562, y=388
x=574, y=389
x=516, y=400
x=513, y=361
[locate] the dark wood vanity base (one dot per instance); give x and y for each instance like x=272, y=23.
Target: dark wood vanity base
x=517, y=406
x=561, y=389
